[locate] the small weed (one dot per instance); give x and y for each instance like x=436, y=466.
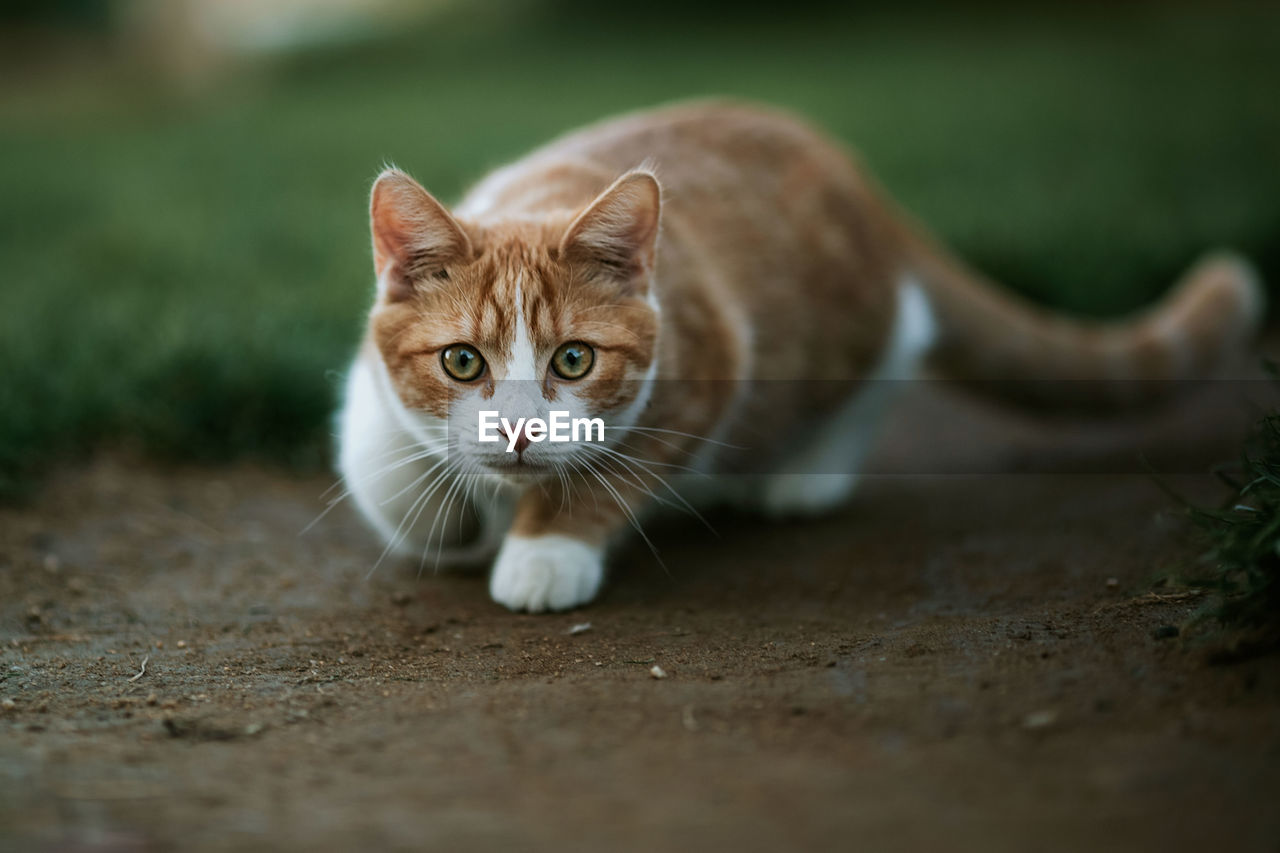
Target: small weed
x=1239, y=564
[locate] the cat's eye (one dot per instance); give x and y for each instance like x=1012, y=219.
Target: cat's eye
x=573, y=360
x=462, y=362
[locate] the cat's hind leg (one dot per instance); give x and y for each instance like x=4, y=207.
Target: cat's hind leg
x=823, y=473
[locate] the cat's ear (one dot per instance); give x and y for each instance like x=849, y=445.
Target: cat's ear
x=618, y=232
x=414, y=236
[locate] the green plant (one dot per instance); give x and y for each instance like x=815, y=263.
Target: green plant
x=1239, y=566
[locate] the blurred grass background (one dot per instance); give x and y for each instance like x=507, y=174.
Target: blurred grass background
x=185, y=264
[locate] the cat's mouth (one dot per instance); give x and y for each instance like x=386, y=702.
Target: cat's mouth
x=518, y=468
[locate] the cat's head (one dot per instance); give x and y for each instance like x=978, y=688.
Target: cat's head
x=526, y=318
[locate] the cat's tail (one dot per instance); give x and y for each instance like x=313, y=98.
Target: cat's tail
x=1020, y=352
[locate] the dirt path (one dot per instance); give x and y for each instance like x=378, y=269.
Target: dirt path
x=944, y=665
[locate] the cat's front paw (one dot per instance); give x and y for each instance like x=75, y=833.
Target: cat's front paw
x=537, y=573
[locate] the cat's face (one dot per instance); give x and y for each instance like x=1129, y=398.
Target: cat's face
x=523, y=319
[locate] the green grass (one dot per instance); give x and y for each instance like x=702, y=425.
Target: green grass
x=1239, y=561
x=190, y=274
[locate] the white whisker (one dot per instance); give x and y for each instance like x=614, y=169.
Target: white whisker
x=419, y=504
x=676, y=432
x=628, y=460
x=626, y=510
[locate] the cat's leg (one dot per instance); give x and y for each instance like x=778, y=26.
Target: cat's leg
x=553, y=555
x=403, y=483
x=823, y=474
x=549, y=571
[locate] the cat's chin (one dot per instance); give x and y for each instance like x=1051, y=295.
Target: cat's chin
x=520, y=475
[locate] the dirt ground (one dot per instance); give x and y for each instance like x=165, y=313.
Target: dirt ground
x=966, y=658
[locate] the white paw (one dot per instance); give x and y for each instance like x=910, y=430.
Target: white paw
x=806, y=494
x=546, y=573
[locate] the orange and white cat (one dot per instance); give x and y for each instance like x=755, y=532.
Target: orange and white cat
x=685, y=275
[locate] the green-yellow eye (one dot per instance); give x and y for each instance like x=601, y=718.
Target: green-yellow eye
x=462, y=362
x=573, y=360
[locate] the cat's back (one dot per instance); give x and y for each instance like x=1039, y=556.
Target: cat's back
x=757, y=206
x=684, y=138
x=783, y=211
x=704, y=152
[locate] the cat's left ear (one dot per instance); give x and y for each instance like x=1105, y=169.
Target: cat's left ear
x=618, y=232
x=414, y=236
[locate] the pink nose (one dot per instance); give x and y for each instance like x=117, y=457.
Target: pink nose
x=522, y=441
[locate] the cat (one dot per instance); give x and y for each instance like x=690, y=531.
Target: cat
x=702, y=278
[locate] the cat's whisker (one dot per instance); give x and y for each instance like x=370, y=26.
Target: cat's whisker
x=466, y=476
x=423, y=451
x=676, y=432
x=563, y=481
x=324, y=512
x=442, y=519
x=414, y=484
x=685, y=468
x=578, y=465
x=419, y=504
x=627, y=511
x=333, y=502
x=573, y=484
x=417, y=451
x=471, y=473
x=631, y=478
x=411, y=445
x=628, y=460
x=401, y=429
x=336, y=484
x=692, y=454
x=680, y=503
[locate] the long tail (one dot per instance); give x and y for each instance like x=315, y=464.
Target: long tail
x=1023, y=353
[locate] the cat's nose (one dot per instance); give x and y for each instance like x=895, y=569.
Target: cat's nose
x=522, y=440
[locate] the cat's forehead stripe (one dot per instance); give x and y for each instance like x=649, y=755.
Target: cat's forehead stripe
x=522, y=364
x=515, y=314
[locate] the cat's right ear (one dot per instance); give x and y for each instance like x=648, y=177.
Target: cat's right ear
x=618, y=232
x=414, y=236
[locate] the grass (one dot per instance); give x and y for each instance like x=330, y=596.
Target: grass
x=1239, y=563
x=189, y=274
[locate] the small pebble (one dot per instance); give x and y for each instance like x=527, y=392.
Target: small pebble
x=580, y=627
x=182, y=644
x=1040, y=719
x=7, y=704
x=657, y=671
